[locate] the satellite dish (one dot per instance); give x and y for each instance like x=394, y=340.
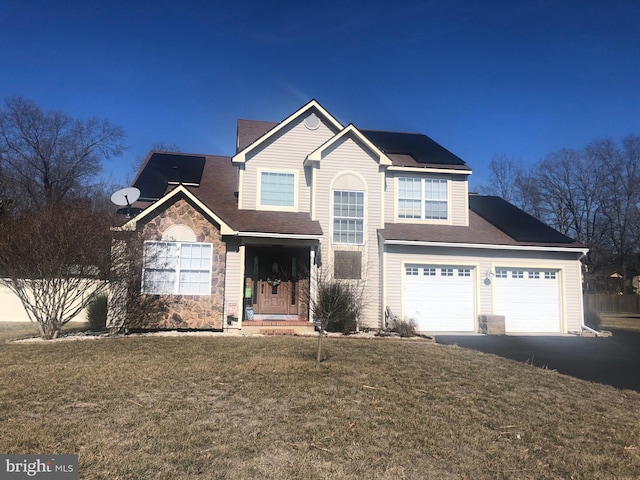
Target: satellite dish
x=125, y=196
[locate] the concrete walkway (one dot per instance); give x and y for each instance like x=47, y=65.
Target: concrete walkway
x=613, y=361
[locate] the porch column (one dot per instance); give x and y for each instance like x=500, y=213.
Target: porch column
x=313, y=268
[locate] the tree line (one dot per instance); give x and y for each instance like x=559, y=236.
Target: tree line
x=55, y=241
x=591, y=195
x=56, y=250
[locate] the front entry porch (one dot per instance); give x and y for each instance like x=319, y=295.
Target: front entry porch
x=276, y=282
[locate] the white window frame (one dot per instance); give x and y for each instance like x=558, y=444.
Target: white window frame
x=446, y=272
x=174, y=269
x=267, y=206
x=501, y=273
x=412, y=271
x=348, y=217
x=423, y=199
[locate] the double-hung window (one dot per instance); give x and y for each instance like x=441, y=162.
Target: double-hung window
x=277, y=189
x=423, y=198
x=178, y=268
x=348, y=217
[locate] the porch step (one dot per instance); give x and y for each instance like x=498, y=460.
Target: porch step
x=274, y=322
x=259, y=316
x=277, y=327
x=277, y=331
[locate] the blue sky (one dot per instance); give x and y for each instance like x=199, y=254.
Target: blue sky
x=480, y=77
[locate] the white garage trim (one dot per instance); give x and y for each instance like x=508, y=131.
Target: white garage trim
x=529, y=299
x=440, y=298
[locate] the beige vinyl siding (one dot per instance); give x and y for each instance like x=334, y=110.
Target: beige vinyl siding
x=458, y=196
x=485, y=262
x=574, y=308
x=459, y=200
x=348, y=158
x=233, y=283
x=285, y=151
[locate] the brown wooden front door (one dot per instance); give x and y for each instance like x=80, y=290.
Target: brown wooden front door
x=276, y=299
x=275, y=274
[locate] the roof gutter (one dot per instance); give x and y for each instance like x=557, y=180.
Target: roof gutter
x=582, y=251
x=291, y=236
x=453, y=171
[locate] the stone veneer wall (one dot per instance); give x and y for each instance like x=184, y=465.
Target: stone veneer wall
x=190, y=311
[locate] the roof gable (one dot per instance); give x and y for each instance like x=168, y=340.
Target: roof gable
x=180, y=190
x=353, y=132
x=313, y=105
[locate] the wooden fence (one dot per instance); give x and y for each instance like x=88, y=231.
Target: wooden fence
x=612, y=303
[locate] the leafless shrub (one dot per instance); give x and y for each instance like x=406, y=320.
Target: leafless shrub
x=129, y=308
x=56, y=260
x=405, y=327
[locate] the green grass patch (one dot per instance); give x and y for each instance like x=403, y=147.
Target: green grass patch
x=255, y=407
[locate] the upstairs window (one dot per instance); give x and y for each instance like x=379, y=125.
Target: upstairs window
x=177, y=268
x=423, y=198
x=348, y=217
x=277, y=189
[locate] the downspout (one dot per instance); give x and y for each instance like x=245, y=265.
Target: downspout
x=583, y=325
x=595, y=332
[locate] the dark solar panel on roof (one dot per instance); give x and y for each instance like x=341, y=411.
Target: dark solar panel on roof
x=422, y=148
x=165, y=168
x=516, y=223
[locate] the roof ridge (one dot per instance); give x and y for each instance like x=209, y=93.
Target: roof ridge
x=392, y=131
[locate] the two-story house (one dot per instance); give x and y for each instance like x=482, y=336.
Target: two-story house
x=235, y=242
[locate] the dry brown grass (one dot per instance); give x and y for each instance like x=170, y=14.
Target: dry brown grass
x=621, y=321
x=231, y=407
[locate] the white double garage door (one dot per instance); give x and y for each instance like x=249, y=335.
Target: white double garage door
x=442, y=298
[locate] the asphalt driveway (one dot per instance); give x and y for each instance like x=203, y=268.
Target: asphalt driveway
x=612, y=360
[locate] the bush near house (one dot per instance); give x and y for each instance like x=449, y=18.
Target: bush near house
x=338, y=304
x=405, y=327
x=97, y=313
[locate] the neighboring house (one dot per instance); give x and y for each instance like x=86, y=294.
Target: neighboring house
x=605, y=280
x=233, y=241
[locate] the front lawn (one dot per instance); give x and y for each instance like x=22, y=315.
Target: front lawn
x=255, y=407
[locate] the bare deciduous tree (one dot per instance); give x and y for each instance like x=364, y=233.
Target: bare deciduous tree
x=56, y=260
x=336, y=302
x=619, y=190
x=591, y=195
x=48, y=157
x=129, y=307
x=505, y=175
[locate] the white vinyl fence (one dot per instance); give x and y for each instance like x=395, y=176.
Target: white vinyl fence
x=11, y=309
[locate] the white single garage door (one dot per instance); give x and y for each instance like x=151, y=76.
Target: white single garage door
x=529, y=299
x=440, y=298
